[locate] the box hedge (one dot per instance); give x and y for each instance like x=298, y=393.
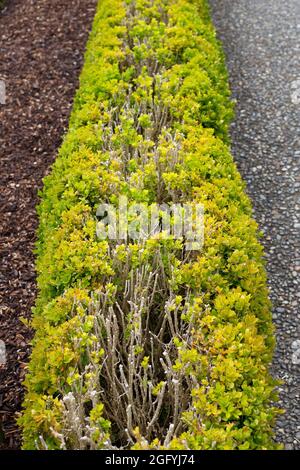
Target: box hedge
x=139, y=345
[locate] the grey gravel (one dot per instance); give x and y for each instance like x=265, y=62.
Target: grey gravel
x=261, y=39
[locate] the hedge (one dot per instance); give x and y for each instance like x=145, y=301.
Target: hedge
x=139, y=344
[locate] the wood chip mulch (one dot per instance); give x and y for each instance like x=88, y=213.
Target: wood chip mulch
x=41, y=52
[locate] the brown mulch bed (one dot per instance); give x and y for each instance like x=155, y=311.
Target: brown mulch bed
x=41, y=51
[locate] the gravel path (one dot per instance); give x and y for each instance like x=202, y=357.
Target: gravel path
x=41, y=50
x=262, y=44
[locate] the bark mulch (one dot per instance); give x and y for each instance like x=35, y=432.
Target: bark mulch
x=41, y=51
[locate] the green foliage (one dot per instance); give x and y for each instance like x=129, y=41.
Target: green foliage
x=150, y=121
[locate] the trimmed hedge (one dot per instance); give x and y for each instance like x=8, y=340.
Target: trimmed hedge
x=138, y=345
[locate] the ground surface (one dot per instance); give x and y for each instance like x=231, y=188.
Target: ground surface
x=41, y=48
x=262, y=44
